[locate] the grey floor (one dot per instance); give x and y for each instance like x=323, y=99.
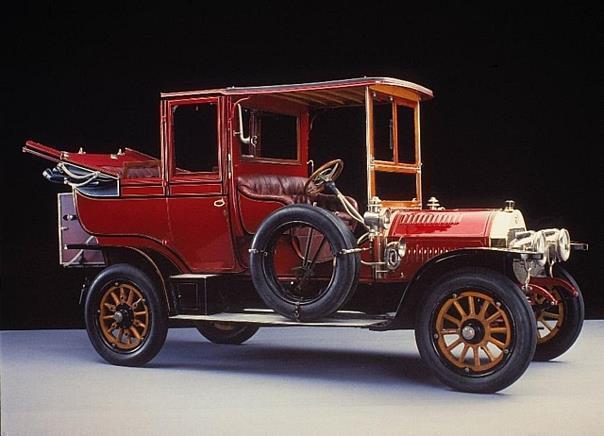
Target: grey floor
x=285, y=381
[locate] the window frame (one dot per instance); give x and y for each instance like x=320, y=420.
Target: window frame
x=193, y=175
x=394, y=166
x=261, y=159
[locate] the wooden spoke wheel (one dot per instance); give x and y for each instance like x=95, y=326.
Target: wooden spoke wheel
x=473, y=331
x=226, y=332
x=123, y=316
x=549, y=319
x=476, y=330
x=559, y=326
x=126, y=319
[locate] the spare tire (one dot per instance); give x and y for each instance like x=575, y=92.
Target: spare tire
x=301, y=262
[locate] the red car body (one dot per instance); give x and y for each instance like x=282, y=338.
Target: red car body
x=184, y=225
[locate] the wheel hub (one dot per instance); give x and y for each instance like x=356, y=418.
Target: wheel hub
x=123, y=316
x=468, y=333
x=472, y=331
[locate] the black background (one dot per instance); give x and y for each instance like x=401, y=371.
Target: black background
x=516, y=114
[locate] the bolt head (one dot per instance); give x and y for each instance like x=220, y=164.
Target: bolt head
x=466, y=370
x=454, y=295
x=498, y=304
x=435, y=336
x=506, y=351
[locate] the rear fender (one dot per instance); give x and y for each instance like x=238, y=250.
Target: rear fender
x=156, y=266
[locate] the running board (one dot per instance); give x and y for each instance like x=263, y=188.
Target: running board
x=268, y=317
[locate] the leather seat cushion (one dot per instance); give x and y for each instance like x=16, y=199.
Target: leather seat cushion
x=289, y=190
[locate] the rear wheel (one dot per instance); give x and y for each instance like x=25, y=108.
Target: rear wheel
x=476, y=331
x=126, y=320
x=558, y=327
x=226, y=332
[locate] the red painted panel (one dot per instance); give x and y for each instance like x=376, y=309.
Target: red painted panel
x=253, y=212
x=124, y=216
x=144, y=243
x=196, y=188
x=141, y=190
x=201, y=233
x=441, y=223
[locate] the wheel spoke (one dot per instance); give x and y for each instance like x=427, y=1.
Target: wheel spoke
x=454, y=320
x=498, y=330
x=550, y=315
x=130, y=297
x=493, y=317
x=476, y=353
x=454, y=344
x=107, y=317
x=111, y=307
x=443, y=331
x=471, y=306
x=547, y=325
x=314, y=259
x=497, y=343
x=464, y=353
x=483, y=309
x=307, y=248
x=488, y=353
x=459, y=309
x=120, y=335
x=141, y=313
x=116, y=300
x=135, y=332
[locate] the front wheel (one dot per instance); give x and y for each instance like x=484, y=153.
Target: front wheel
x=558, y=326
x=126, y=320
x=226, y=332
x=476, y=331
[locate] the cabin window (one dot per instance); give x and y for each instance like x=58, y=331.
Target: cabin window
x=272, y=135
x=405, y=120
x=195, y=134
x=393, y=132
x=383, y=135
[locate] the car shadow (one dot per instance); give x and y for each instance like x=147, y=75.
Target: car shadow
x=289, y=361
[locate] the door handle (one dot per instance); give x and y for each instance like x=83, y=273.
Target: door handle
x=219, y=203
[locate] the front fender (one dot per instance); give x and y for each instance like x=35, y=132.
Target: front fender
x=497, y=259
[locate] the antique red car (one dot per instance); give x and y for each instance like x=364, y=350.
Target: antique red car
x=233, y=228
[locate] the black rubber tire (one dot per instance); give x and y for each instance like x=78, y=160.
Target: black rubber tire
x=158, y=315
x=518, y=310
x=345, y=275
x=574, y=309
x=238, y=335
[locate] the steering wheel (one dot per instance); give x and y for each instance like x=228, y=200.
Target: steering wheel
x=328, y=172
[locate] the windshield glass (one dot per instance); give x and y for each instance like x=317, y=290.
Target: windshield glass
x=395, y=161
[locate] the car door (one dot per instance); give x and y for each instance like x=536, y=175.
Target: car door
x=197, y=203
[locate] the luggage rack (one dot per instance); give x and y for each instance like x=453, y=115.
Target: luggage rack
x=342, y=318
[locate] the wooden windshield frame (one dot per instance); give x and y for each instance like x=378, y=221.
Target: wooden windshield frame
x=398, y=97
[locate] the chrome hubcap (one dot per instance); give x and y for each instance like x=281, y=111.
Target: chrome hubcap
x=468, y=333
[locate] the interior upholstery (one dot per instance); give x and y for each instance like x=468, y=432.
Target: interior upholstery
x=141, y=169
x=289, y=190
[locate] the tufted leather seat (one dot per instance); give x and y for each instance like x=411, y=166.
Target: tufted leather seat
x=289, y=190
x=141, y=169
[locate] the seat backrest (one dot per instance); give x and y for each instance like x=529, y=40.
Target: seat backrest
x=273, y=187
